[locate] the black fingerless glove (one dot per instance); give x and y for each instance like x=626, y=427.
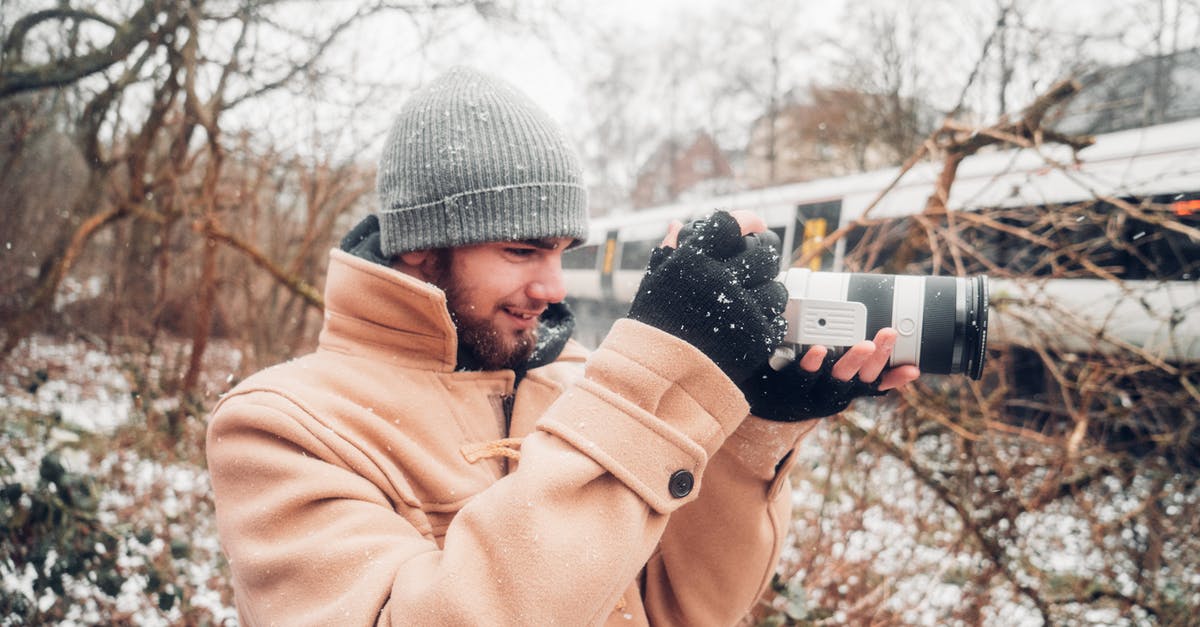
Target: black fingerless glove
x=794, y=394
x=717, y=294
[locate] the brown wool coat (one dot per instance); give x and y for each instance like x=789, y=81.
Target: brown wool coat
x=370, y=483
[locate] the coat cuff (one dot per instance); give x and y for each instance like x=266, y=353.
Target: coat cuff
x=761, y=445
x=766, y=448
x=651, y=409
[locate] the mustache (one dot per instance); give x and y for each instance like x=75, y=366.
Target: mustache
x=536, y=308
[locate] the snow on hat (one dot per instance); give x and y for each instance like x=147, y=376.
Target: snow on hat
x=471, y=159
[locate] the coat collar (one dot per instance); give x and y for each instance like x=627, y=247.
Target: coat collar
x=373, y=308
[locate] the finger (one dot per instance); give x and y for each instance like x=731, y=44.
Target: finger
x=749, y=221
x=672, y=237
x=852, y=361
x=756, y=266
x=657, y=256
x=717, y=236
x=885, y=341
x=772, y=296
x=899, y=377
x=776, y=329
x=813, y=359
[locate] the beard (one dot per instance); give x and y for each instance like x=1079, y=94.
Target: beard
x=488, y=347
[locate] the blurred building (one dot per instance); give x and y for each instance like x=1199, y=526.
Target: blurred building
x=825, y=132
x=833, y=131
x=1150, y=91
x=679, y=170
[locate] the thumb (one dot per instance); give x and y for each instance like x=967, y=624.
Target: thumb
x=672, y=237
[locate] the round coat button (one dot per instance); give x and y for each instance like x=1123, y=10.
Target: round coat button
x=681, y=483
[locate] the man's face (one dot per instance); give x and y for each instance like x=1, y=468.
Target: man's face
x=495, y=292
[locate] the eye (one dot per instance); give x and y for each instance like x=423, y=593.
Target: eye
x=520, y=251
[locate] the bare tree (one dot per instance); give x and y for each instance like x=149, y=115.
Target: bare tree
x=147, y=110
x=649, y=96
x=759, y=71
x=1061, y=488
x=617, y=133
x=146, y=207
x=887, y=56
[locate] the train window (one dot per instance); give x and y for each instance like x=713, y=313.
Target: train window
x=581, y=258
x=1160, y=248
x=876, y=247
x=1028, y=404
x=636, y=254
x=1088, y=239
x=779, y=232
x=1062, y=241
x=814, y=222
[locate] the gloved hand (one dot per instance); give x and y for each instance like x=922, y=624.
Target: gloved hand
x=716, y=294
x=793, y=394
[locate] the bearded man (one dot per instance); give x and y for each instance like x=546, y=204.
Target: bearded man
x=449, y=456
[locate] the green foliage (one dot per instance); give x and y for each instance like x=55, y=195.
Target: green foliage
x=68, y=553
x=51, y=527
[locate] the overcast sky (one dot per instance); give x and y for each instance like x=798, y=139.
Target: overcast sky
x=385, y=50
x=534, y=62
x=544, y=51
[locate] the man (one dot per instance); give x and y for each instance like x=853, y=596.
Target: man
x=447, y=456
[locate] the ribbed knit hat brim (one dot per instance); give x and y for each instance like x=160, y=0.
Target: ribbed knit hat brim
x=470, y=159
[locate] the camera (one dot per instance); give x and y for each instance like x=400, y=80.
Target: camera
x=941, y=322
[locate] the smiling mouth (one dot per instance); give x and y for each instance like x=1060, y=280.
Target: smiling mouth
x=522, y=314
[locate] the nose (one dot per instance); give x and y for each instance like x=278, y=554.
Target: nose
x=548, y=286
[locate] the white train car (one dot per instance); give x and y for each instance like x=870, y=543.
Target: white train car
x=1153, y=311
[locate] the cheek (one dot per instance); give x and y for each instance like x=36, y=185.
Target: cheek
x=482, y=298
x=503, y=284
x=488, y=283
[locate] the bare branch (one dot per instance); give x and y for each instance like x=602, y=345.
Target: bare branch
x=16, y=77
x=43, y=294
x=993, y=549
x=297, y=285
x=15, y=43
x=306, y=65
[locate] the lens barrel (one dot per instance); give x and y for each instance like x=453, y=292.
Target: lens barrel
x=941, y=321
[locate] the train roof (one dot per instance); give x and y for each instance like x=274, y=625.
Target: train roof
x=1153, y=160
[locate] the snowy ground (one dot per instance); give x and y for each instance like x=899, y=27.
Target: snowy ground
x=871, y=517
x=157, y=506
x=95, y=417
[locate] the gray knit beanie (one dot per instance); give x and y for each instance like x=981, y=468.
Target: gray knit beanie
x=470, y=159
